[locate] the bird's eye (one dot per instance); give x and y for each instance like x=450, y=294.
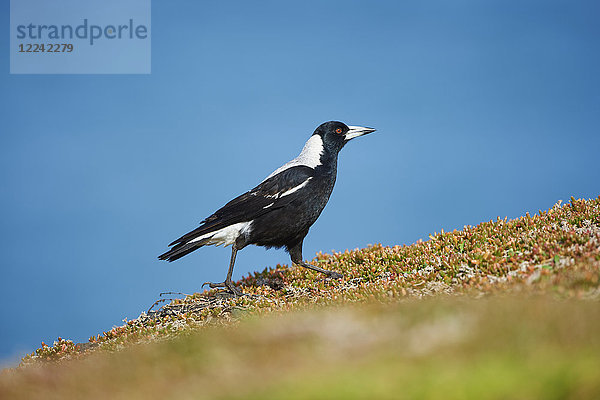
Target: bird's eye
x=338, y=130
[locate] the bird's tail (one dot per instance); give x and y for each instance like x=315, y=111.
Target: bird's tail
x=182, y=249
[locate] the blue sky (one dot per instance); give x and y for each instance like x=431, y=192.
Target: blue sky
x=483, y=109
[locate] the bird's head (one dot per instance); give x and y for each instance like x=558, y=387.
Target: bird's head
x=336, y=134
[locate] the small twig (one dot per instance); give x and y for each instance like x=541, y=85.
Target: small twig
x=182, y=294
x=165, y=299
x=155, y=303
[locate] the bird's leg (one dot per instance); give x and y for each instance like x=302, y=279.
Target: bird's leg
x=228, y=282
x=296, y=255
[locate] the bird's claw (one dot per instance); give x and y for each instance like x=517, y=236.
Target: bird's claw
x=226, y=285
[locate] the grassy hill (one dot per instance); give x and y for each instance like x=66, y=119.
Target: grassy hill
x=504, y=309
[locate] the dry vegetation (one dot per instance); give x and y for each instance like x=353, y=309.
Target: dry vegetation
x=504, y=309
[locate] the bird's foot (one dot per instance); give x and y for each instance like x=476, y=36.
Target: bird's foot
x=226, y=285
x=328, y=274
x=334, y=275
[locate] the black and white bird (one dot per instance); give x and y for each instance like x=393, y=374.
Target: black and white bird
x=281, y=209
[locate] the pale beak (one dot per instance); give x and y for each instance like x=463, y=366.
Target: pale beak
x=356, y=131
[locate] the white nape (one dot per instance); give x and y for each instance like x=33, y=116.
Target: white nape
x=310, y=156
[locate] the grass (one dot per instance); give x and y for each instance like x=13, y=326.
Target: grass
x=504, y=309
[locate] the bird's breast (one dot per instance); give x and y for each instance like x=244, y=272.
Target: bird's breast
x=287, y=224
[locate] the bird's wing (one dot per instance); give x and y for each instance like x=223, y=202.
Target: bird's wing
x=273, y=193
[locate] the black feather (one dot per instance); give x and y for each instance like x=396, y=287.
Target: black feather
x=181, y=250
x=251, y=204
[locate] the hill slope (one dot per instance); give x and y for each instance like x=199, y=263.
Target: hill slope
x=503, y=309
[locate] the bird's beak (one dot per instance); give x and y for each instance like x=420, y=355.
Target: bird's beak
x=356, y=131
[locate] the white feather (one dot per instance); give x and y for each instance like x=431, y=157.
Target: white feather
x=227, y=235
x=295, y=188
x=310, y=156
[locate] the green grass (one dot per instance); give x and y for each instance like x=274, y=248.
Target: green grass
x=505, y=309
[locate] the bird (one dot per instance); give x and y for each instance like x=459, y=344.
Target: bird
x=280, y=210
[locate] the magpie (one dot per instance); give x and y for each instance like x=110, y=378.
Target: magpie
x=280, y=210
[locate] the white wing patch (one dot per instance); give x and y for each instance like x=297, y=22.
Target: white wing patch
x=310, y=156
x=290, y=191
x=227, y=235
x=295, y=188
